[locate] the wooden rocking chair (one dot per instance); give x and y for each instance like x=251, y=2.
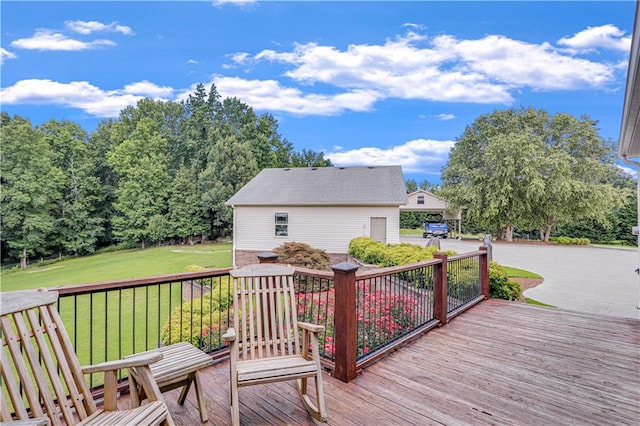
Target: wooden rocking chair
x=43, y=378
x=264, y=343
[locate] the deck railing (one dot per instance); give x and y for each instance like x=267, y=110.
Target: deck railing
x=366, y=314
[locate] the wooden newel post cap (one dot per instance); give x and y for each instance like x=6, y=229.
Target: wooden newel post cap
x=267, y=257
x=344, y=267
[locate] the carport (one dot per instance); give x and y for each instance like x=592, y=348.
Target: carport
x=425, y=202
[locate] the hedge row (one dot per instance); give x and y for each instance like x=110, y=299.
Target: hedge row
x=572, y=241
x=373, y=252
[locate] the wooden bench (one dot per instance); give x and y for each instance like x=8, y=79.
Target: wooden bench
x=178, y=367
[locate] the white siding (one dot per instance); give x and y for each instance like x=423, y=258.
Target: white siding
x=327, y=228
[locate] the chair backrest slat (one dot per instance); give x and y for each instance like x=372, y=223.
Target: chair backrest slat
x=40, y=369
x=264, y=311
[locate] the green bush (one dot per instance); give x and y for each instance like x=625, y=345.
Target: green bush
x=301, y=254
x=500, y=286
x=373, y=252
x=573, y=241
x=201, y=321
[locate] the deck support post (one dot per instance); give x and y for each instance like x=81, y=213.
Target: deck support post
x=440, y=289
x=484, y=271
x=345, y=339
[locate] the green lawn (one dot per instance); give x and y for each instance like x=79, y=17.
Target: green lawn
x=118, y=265
x=520, y=273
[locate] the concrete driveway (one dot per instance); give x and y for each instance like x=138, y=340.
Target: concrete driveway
x=586, y=279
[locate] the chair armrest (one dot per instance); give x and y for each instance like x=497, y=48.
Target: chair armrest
x=230, y=335
x=131, y=361
x=314, y=328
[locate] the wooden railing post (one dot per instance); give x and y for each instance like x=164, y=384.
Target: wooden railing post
x=267, y=257
x=344, y=332
x=484, y=271
x=440, y=289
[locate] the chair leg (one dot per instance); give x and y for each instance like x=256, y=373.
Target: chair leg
x=185, y=389
x=235, y=408
x=317, y=411
x=134, y=390
x=200, y=397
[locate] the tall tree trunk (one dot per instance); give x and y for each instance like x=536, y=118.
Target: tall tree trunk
x=23, y=259
x=509, y=232
x=142, y=243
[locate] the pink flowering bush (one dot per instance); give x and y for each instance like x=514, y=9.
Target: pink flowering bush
x=381, y=316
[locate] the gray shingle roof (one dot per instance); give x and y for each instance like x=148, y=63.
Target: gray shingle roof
x=379, y=185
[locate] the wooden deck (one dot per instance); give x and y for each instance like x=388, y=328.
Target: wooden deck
x=501, y=363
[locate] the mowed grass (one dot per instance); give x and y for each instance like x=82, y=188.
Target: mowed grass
x=118, y=265
x=520, y=273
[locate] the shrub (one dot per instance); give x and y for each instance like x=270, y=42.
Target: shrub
x=500, y=286
x=573, y=241
x=375, y=253
x=301, y=254
x=200, y=321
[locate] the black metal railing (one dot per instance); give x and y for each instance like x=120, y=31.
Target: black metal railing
x=114, y=319
x=463, y=281
x=391, y=304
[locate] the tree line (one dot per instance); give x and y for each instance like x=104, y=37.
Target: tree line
x=161, y=171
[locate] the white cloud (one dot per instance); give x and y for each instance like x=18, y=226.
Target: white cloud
x=445, y=117
x=629, y=170
x=413, y=66
x=192, y=61
x=424, y=156
x=77, y=94
x=47, y=40
x=148, y=89
x=605, y=36
x=234, y=2
x=88, y=27
x=5, y=54
x=517, y=64
x=271, y=95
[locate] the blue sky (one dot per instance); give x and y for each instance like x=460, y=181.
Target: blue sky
x=365, y=82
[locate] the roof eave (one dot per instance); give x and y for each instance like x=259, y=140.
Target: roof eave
x=629, y=145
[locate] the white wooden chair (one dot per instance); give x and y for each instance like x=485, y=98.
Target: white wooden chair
x=265, y=344
x=42, y=377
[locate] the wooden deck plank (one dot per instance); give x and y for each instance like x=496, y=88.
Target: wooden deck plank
x=501, y=363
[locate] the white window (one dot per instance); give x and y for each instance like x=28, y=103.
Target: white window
x=282, y=224
x=420, y=199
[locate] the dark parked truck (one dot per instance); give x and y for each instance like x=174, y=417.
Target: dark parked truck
x=435, y=230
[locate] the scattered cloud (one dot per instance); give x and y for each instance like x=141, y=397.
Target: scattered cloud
x=81, y=95
x=192, y=61
x=88, y=27
x=445, y=117
x=146, y=88
x=5, y=54
x=605, y=36
x=271, y=95
x=424, y=156
x=630, y=171
x=234, y=2
x=44, y=39
x=489, y=70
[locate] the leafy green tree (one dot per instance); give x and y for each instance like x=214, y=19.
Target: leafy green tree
x=309, y=158
x=186, y=217
x=411, y=186
x=143, y=166
x=231, y=165
x=30, y=185
x=99, y=144
x=200, y=110
x=522, y=169
x=78, y=224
